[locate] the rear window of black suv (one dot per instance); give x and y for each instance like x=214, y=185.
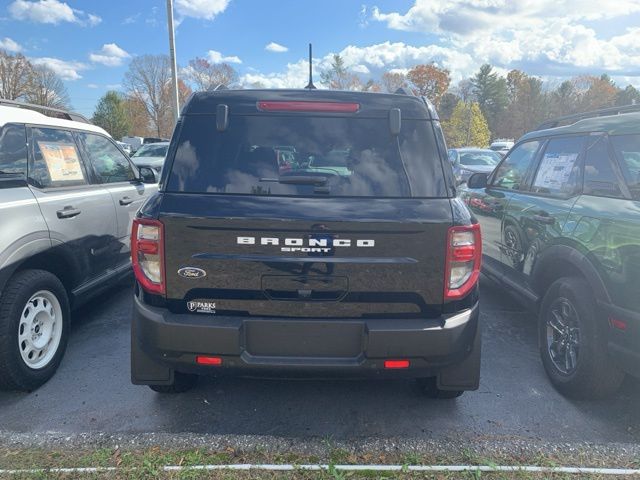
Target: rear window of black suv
x=306, y=155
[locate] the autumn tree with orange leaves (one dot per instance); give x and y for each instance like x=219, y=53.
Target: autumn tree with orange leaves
x=430, y=81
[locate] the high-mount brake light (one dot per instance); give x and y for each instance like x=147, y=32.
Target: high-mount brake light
x=463, y=262
x=147, y=254
x=300, y=106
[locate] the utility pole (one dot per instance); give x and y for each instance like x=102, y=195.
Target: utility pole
x=172, y=58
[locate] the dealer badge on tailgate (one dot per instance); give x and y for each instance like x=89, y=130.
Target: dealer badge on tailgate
x=201, y=306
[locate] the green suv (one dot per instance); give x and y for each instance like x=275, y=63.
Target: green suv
x=560, y=219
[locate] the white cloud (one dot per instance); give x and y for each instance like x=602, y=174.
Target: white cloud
x=113, y=86
x=50, y=11
x=361, y=69
x=66, y=70
x=110, y=55
x=92, y=85
x=203, y=9
x=543, y=36
x=10, y=45
x=276, y=48
x=217, y=57
x=131, y=19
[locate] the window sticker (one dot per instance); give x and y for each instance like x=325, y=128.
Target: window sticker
x=62, y=161
x=555, y=170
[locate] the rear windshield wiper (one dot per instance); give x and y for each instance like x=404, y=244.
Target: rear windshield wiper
x=298, y=180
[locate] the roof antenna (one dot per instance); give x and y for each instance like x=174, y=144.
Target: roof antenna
x=310, y=85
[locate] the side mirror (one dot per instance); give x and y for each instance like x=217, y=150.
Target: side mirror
x=478, y=180
x=148, y=175
x=395, y=121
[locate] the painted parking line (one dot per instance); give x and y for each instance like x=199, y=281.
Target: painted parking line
x=346, y=468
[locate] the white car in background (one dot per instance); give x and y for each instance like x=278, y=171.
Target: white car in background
x=151, y=155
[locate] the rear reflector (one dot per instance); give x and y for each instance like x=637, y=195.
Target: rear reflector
x=206, y=360
x=618, y=324
x=308, y=107
x=390, y=364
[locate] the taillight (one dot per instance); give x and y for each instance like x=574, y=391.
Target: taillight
x=147, y=254
x=464, y=258
x=287, y=106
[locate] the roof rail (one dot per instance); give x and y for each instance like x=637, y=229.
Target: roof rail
x=404, y=91
x=48, y=111
x=594, y=113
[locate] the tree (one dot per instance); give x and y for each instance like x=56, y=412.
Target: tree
x=111, y=115
x=146, y=81
x=16, y=74
x=564, y=99
x=137, y=117
x=628, y=96
x=168, y=120
x=466, y=127
x=430, y=81
x=338, y=77
x=491, y=93
x=447, y=103
x=47, y=89
x=205, y=75
x=527, y=105
x=595, y=92
x=392, y=81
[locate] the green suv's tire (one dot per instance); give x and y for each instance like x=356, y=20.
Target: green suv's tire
x=34, y=329
x=181, y=383
x=573, y=343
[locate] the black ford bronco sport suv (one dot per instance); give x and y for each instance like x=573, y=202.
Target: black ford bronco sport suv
x=302, y=232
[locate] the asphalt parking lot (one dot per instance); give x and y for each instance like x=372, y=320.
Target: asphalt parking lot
x=92, y=393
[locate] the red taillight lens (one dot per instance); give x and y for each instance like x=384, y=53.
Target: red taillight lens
x=335, y=107
x=618, y=324
x=207, y=360
x=147, y=254
x=393, y=364
x=464, y=258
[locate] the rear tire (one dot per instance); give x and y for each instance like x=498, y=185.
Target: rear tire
x=182, y=382
x=34, y=329
x=573, y=344
x=429, y=387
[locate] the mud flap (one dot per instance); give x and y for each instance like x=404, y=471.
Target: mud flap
x=466, y=374
x=144, y=370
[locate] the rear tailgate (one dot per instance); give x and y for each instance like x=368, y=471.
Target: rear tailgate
x=305, y=257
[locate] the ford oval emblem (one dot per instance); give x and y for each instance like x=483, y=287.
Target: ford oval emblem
x=192, y=272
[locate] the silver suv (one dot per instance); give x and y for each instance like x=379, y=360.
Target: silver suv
x=68, y=195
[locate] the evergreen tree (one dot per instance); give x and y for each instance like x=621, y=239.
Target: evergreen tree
x=491, y=94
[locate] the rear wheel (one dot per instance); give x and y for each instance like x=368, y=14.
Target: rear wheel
x=429, y=387
x=182, y=382
x=34, y=328
x=572, y=343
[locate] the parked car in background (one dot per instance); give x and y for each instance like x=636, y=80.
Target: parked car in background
x=68, y=196
x=467, y=161
x=126, y=148
x=151, y=155
x=502, y=145
x=356, y=258
x=134, y=142
x=560, y=221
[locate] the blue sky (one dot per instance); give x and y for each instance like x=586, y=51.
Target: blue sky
x=89, y=43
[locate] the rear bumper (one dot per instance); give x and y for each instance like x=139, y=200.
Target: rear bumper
x=447, y=347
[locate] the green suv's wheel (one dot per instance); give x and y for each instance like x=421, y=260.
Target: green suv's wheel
x=572, y=343
x=34, y=326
